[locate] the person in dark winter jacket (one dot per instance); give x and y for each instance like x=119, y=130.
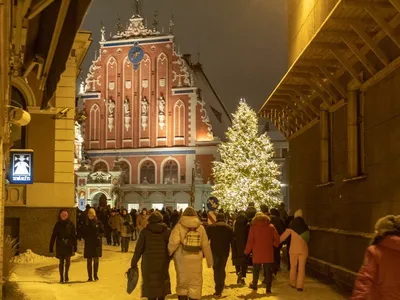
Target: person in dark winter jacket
x=251, y=211
x=379, y=276
x=64, y=236
x=126, y=230
x=174, y=218
x=133, y=214
x=240, y=234
x=280, y=227
x=220, y=235
x=115, y=224
x=166, y=217
x=92, y=233
x=152, y=246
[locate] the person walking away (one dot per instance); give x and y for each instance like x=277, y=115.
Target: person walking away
x=220, y=235
x=251, y=211
x=64, y=236
x=141, y=221
x=379, y=276
x=174, y=218
x=188, y=244
x=93, y=233
x=133, y=214
x=263, y=237
x=166, y=217
x=282, y=212
x=280, y=228
x=152, y=247
x=82, y=219
x=126, y=229
x=299, y=232
x=115, y=224
x=241, y=229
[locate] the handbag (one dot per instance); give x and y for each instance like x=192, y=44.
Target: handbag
x=133, y=277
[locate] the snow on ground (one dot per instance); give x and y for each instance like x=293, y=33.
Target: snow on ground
x=39, y=281
x=29, y=257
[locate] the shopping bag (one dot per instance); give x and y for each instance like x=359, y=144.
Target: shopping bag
x=133, y=277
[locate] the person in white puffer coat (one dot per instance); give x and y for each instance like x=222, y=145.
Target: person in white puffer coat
x=188, y=264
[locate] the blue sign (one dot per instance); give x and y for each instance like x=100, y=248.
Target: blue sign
x=21, y=167
x=136, y=54
x=82, y=204
x=212, y=203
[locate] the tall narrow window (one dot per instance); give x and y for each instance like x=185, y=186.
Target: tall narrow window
x=179, y=119
x=148, y=172
x=170, y=172
x=355, y=134
x=94, y=122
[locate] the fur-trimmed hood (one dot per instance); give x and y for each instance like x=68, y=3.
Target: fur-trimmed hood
x=261, y=218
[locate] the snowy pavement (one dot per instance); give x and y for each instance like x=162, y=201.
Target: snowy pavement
x=39, y=281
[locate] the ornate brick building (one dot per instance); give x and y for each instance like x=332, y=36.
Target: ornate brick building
x=151, y=110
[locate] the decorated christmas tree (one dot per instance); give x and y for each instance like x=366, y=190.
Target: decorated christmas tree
x=246, y=172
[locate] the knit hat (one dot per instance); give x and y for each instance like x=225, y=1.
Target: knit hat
x=387, y=224
x=155, y=217
x=189, y=212
x=220, y=217
x=298, y=213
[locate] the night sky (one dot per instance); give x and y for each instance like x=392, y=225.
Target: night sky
x=243, y=43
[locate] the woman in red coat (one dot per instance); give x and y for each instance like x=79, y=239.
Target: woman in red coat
x=263, y=237
x=379, y=277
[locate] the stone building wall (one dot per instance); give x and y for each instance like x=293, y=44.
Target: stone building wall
x=343, y=214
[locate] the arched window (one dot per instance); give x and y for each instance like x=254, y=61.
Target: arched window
x=179, y=119
x=170, y=172
x=148, y=172
x=94, y=123
x=126, y=172
x=100, y=166
x=18, y=133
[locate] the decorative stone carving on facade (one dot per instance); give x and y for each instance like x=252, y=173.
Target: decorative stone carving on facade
x=162, y=82
x=103, y=33
x=111, y=108
x=127, y=113
x=145, y=194
x=111, y=85
x=119, y=51
x=145, y=83
x=91, y=82
x=204, y=117
x=128, y=84
x=145, y=111
x=136, y=28
x=78, y=142
x=161, y=112
x=183, y=72
x=99, y=177
x=198, y=171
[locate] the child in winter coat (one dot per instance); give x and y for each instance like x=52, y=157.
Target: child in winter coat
x=188, y=254
x=299, y=233
x=379, y=277
x=263, y=237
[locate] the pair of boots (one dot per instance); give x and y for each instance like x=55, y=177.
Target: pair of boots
x=64, y=276
x=92, y=271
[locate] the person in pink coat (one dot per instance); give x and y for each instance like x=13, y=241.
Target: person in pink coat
x=299, y=232
x=379, y=276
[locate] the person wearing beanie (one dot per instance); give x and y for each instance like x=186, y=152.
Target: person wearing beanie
x=92, y=233
x=152, y=247
x=280, y=228
x=220, y=235
x=64, y=236
x=299, y=232
x=379, y=276
x=189, y=244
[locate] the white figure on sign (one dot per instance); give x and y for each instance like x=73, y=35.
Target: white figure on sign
x=21, y=166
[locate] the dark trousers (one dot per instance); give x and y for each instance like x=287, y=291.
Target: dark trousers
x=64, y=261
x=108, y=236
x=268, y=269
x=115, y=237
x=125, y=244
x=241, y=270
x=92, y=271
x=219, y=272
x=277, y=259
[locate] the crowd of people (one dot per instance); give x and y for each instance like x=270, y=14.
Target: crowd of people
x=254, y=239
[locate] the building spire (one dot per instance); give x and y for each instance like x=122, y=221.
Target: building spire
x=155, y=21
x=119, y=26
x=103, y=32
x=137, y=7
x=171, y=25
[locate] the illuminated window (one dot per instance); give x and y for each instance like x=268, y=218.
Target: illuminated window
x=170, y=172
x=148, y=172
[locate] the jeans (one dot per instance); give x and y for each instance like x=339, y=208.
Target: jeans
x=115, y=237
x=90, y=270
x=219, y=273
x=67, y=260
x=268, y=269
x=125, y=244
x=241, y=270
x=277, y=259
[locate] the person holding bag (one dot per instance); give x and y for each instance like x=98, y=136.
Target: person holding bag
x=64, y=236
x=189, y=244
